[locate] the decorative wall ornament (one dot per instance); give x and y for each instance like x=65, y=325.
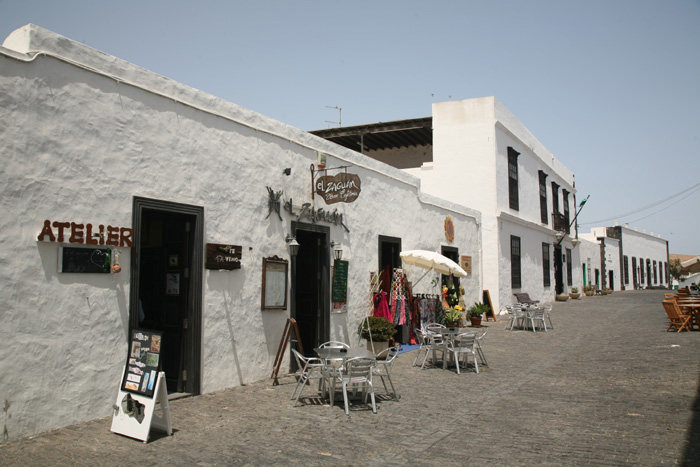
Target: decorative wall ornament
x=449, y=229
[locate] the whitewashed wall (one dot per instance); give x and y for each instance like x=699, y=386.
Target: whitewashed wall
x=79, y=143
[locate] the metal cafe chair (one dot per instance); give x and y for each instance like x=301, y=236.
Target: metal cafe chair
x=385, y=360
x=358, y=375
x=464, y=346
x=311, y=368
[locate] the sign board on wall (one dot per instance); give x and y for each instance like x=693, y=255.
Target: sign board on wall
x=223, y=256
x=340, y=281
x=84, y=260
x=343, y=187
x=466, y=263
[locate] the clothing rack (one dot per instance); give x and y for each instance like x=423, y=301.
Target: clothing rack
x=374, y=286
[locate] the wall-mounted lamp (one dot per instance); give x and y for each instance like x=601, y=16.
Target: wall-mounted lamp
x=288, y=171
x=293, y=245
x=337, y=250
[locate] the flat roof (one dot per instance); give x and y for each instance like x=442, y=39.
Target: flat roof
x=383, y=135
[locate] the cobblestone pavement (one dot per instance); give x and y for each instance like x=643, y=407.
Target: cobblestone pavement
x=606, y=386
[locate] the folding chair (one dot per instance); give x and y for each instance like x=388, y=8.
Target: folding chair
x=678, y=320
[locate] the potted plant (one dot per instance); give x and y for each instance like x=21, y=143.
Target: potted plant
x=475, y=311
x=562, y=297
x=574, y=293
x=382, y=330
x=588, y=290
x=452, y=316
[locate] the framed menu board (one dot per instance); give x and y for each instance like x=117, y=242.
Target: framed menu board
x=274, y=284
x=340, y=281
x=143, y=362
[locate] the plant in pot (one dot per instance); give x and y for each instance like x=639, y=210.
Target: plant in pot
x=562, y=297
x=382, y=330
x=588, y=290
x=452, y=316
x=574, y=293
x=475, y=311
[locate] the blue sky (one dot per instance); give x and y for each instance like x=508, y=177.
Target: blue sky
x=610, y=87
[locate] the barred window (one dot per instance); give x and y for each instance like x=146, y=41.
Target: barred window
x=513, y=195
x=545, y=265
x=515, y=275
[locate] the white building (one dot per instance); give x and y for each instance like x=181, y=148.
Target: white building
x=100, y=157
x=477, y=153
x=632, y=259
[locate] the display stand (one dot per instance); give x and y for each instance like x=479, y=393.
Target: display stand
x=135, y=415
x=286, y=339
x=374, y=287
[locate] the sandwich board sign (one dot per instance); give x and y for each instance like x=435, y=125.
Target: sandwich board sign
x=142, y=390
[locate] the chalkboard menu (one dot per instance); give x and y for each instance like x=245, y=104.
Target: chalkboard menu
x=143, y=362
x=340, y=281
x=89, y=260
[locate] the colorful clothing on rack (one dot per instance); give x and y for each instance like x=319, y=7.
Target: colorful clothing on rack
x=381, y=306
x=398, y=307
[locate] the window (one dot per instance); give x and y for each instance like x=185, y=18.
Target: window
x=569, y=279
x=515, y=276
x=565, y=197
x=655, y=275
x=513, y=195
x=635, y=279
x=545, y=265
x=555, y=197
x=543, y=198
x=626, y=272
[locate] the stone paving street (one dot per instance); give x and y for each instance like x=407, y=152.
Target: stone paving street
x=607, y=386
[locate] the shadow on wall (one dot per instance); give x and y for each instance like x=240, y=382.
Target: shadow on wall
x=230, y=285
x=95, y=301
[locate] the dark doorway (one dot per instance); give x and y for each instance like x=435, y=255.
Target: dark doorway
x=558, y=270
x=166, y=286
x=310, y=285
x=453, y=254
x=390, y=259
x=611, y=283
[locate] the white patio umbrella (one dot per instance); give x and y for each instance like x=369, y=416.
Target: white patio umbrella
x=432, y=261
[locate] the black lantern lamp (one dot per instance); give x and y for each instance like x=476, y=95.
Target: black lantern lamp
x=337, y=250
x=293, y=245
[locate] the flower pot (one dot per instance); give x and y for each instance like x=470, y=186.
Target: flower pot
x=589, y=293
x=562, y=297
x=574, y=296
x=378, y=346
x=475, y=320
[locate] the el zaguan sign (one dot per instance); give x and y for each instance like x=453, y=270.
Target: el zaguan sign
x=343, y=187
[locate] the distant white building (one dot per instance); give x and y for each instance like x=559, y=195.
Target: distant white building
x=629, y=259
x=475, y=152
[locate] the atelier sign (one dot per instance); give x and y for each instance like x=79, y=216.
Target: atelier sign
x=343, y=187
x=86, y=234
x=223, y=256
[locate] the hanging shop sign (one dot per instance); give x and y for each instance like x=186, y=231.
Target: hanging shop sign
x=223, y=256
x=307, y=212
x=343, y=187
x=87, y=234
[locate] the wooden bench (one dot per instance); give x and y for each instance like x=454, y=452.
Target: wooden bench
x=525, y=298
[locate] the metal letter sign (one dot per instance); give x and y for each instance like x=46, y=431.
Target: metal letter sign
x=343, y=187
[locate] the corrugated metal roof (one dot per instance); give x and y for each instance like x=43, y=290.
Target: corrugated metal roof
x=377, y=136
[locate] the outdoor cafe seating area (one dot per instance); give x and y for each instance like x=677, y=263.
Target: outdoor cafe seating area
x=683, y=310
x=529, y=314
x=338, y=367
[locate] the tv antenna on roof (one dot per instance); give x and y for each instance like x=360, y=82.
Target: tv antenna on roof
x=340, y=115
